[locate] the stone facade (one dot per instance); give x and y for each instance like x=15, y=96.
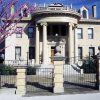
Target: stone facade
x=52, y=26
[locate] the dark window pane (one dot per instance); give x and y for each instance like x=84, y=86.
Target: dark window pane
x=80, y=52
x=31, y=52
x=30, y=32
x=84, y=14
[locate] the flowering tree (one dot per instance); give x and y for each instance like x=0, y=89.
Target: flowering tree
x=9, y=19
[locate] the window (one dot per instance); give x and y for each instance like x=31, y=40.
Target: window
x=84, y=14
x=19, y=32
x=30, y=32
x=17, y=53
x=91, y=51
x=31, y=52
x=25, y=13
x=90, y=33
x=80, y=52
x=80, y=33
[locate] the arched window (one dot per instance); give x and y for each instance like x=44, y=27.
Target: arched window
x=84, y=14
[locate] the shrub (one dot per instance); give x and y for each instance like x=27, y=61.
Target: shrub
x=31, y=71
x=7, y=69
x=89, y=65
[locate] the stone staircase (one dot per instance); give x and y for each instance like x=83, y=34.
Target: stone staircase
x=72, y=69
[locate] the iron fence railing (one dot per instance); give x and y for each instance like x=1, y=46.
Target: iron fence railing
x=39, y=79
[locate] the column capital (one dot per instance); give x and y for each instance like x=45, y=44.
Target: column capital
x=37, y=24
x=43, y=24
x=71, y=24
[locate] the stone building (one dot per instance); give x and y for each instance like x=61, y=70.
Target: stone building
x=38, y=34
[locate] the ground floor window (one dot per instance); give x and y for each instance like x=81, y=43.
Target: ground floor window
x=31, y=52
x=80, y=52
x=17, y=52
x=91, y=51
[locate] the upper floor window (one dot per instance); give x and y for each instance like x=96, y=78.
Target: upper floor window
x=80, y=33
x=91, y=51
x=84, y=14
x=30, y=32
x=19, y=32
x=25, y=13
x=90, y=33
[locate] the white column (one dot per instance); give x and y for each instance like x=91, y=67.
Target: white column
x=45, y=48
x=76, y=45
x=71, y=43
x=37, y=45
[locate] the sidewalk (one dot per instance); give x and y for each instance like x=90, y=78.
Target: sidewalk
x=86, y=96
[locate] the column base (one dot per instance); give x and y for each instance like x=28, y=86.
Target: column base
x=58, y=90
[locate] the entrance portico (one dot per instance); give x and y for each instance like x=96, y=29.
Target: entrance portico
x=47, y=31
x=50, y=24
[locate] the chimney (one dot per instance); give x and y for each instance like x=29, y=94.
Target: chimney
x=94, y=14
x=12, y=9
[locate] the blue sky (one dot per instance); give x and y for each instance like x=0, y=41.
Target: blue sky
x=76, y=3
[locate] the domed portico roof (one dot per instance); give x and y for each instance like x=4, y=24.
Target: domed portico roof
x=56, y=10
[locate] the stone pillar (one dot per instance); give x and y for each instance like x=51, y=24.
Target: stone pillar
x=37, y=45
x=76, y=45
x=21, y=81
x=71, y=43
x=98, y=71
x=58, y=75
x=45, y=48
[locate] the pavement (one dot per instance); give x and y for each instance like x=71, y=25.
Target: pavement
x=8, y=94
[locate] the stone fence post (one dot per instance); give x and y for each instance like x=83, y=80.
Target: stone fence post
x=58, y=75
x=21, y=81
x=98, y=72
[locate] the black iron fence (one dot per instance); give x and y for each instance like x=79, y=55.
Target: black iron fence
x=39, y=79
x=7, y=77
x=81, y=73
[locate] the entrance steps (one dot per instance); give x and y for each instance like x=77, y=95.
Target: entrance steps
x=72, y=69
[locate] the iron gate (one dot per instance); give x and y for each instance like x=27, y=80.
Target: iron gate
x=39, y=79
x=8, y=78
x=83, y=74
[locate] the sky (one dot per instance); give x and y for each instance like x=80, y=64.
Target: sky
x=76, y=3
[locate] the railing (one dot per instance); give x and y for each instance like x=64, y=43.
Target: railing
x=48, y=8
x=39, y=79
x=56, y=39
x=19, y=62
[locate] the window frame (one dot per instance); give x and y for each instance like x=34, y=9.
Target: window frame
x=16, y=47
x=30, y=50
x=19, y=32
x=91, y=36
x=80, y=56
x=93, y=51
x=30, y=36
x=80, y=34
